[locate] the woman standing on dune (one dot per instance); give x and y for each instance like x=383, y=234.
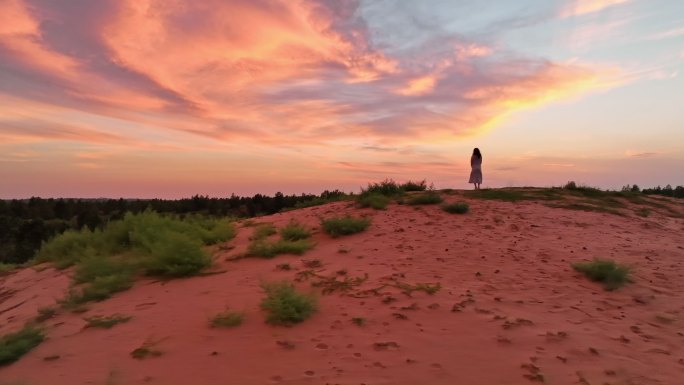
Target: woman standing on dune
x=476, y=169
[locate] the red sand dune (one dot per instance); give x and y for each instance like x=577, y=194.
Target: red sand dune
x=510, y=305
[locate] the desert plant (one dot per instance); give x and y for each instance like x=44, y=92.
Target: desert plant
x=374, y=200
x=264, y=230
x=176, y=255
x=227, y=319
x=15, y=345
x=99, y=289
x=294, y=231
x=456, y=208
x=45, y=313
x=7, y=267
x=428, y=198
x=106, y=322
x=606, y=271
x=346, y=225
x=284, y=305
x=146, y=350
x=387, y=187
x=414, y=186
x=570, y=185
x=267, y=249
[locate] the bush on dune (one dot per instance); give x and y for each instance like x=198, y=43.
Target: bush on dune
x=286, y=306
x=374, y=200
x=15, y=345
x=606, y=271
x=267, y=249
x=107, y=260
x=294, y=231
x=428, y=198
x=346, y=225
x=456, y=208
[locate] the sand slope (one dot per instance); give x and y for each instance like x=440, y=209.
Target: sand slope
x=510, y=307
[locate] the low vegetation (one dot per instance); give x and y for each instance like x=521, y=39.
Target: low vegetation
x=390, y=188
x=45, y=313
x=148, y=243
x=15, y=345
x=613, y=275
x=106, y=322
x=268, y=249
x=374, y=200
x=7, y=267
x=456, y=208
x=264, y=230
x=428, y=198
x=284, y=305
x=227, y=319
x=294, y=231
x=345, y=225
x=146, y=350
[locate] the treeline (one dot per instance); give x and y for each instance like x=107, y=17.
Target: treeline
x=668, y=191
x=26, y=223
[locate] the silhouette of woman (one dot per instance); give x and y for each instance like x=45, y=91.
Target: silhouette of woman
x=476, y=169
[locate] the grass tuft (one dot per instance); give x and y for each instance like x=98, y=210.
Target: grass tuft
x=294, y=231
x=346, y=225
x=428, y=198
x=45, y=313
x=106, y=322
x=15, y=345
x=374, y=200
x=7, y=267
x=286, y=306
x=456, y=208
x=265, y=249
x=606, y=271
x=414, y=186
x=227, y=319
x=264, y=230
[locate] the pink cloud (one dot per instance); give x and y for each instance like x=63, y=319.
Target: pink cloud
x=584, y=7
x=268, y=71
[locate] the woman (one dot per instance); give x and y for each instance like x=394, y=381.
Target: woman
x=476, y=166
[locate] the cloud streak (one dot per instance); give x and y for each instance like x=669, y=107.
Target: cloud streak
x=272, y=71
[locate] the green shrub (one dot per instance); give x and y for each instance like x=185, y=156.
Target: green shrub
x=176, y=256
x=428, y=198
x=7, y=267
x=67, y=248
x=15, y=345
x=106, y=322
x=227, y=319
x=265, y=249
x=570, y=185
x=414, y=186
x=264, y=230
x=99, y=289
x=45, y=313
x=610, y=273
x=388, y=187
x=346, y=225
x=374, y=200
x=294, y=231
x=284, y=305
x=456, y=208
x=93, y=267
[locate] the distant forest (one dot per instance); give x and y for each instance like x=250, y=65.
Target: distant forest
x=26, y=223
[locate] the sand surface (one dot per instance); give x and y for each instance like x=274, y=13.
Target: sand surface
x=510, y=307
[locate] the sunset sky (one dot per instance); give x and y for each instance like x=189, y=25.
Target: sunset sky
x=171, y=98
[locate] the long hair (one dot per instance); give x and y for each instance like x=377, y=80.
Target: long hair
x=476, y=152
